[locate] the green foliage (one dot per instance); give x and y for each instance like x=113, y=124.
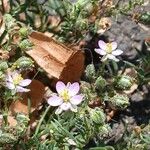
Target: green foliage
x=23, y=63
x=123, y=82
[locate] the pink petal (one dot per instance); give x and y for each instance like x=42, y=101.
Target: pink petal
x=102, y=44
x=60, y=86
x=9, y=78
x=21, y=89
x=25, y=82
x=76, y=100
x=117, y=52
x=110, y=56
x=55, y=101
x=114, y=45
x=58, y=111
x=10, y=85
x=65, y=106
x=73, y=89
x=100, y=51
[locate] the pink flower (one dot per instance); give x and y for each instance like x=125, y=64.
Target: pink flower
x=67, y=98
x=108, y=50
x=16, y=83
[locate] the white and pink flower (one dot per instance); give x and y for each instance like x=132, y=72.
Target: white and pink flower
x=16, y=83
x=67, y=98
x=108, y=50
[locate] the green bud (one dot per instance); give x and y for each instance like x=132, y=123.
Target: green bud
x=124, y=82
x=100, y=83
x=25, y=44
x=23, y=32
x=2, y=75
x=81, y=24
x=90, y=72
x=120, y=101
x=9, y=21
x=97, y=116
x=3, y=65
x=22, y=119
x=7, y=137
x=24, y=62
x=104, y=130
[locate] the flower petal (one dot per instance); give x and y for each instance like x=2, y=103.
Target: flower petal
x=9, y=78
x=25, y=82
x=58, y=111
x=60, y=86
x=102, y=44
x=65, y=106
x=100, y=51
x=73, y=89
x=104, y=58
x=21, y=89
x=55, y=100
x=15, y=74
x=114, y=45
x=10, y=85
x=73, y=108
x=110, y=56
x=76, y=100
x=117, y=52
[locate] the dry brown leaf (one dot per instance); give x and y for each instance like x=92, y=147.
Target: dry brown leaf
x=49, y=34
x=54, y=22
x=60, y=62
x=110, y=115
x=6, y=5
x=35, y=95
x=104, y=24
x=12, y=121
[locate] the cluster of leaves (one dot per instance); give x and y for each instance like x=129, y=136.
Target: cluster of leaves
x=73, y=17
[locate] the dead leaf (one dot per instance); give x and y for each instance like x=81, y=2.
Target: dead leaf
x=104, y=24
x=35, y=96
x=12, y=121
x=59, y=61
x=54, y=22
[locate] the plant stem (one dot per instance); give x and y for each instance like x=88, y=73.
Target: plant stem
x=41, y=120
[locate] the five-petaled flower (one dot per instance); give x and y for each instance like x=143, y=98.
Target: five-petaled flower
x=16, y=83
x=67, y=98
x=108, y=50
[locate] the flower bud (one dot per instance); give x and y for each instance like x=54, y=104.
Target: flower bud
x=124, y=82
x=3, y=65
x=90, y=72
x=23, y=32
x=9, y=21
x=21, y=118
x=120, y=101
x=6, y=138
x=100, y=83
x=23, y=62
x=104, y=130
x=25, y=44
x=97, y=116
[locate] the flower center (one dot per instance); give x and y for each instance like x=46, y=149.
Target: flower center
x=109, y=48
x=65, y=95
x=17, y=79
